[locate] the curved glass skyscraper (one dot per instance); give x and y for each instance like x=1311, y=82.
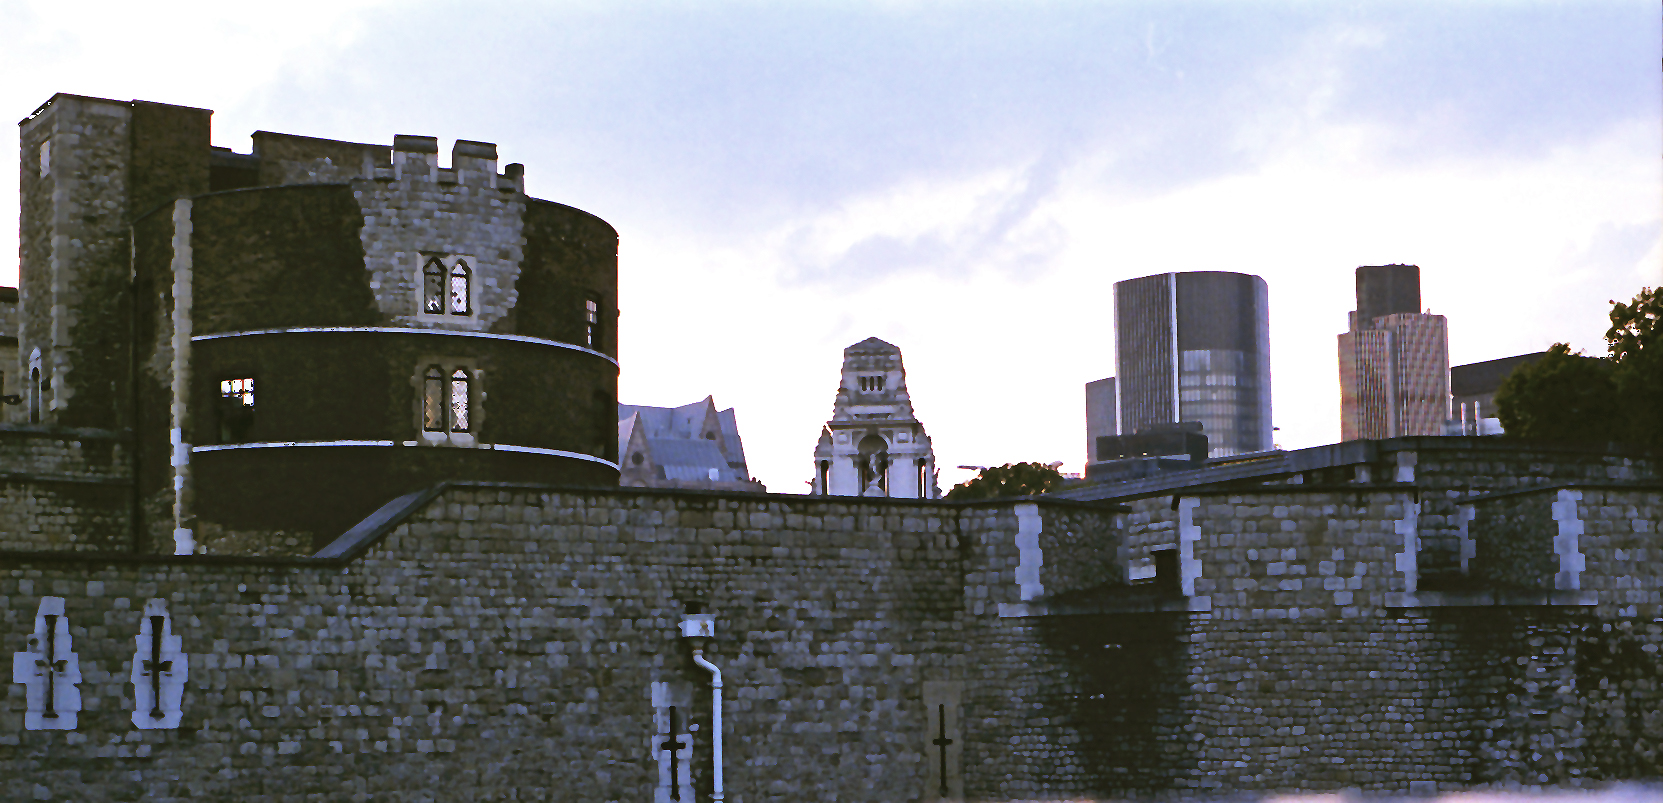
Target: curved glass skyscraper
x=1195, y=347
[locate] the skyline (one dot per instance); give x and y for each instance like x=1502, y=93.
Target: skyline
x=968, y=181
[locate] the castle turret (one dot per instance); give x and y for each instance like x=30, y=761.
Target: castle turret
x=297, y=335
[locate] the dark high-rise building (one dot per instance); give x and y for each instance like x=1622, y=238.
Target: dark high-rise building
x=1195, y=347
x=1473, y=388
x=1386, y=290
x=1100, y=415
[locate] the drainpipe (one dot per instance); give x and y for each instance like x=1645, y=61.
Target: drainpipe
x=715, y=721
x=700, y=628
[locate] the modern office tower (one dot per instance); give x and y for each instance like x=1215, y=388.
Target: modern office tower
x=1195, y=347
x=1394, y=363
x=1100, y=415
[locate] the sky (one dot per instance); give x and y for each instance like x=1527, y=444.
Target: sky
x=967, y=180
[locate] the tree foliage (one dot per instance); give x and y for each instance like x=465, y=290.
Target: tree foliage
x=1571, y=397
x=1010, y=479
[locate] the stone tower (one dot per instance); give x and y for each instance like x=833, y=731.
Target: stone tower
x=292, y=337
x=874, y=446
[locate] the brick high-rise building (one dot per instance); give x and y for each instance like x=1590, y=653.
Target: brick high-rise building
x=1394, y=362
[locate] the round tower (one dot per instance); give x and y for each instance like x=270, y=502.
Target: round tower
x=336, y=324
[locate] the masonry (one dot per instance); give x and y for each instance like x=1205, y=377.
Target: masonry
x=505, y=639
x=309, y=318
x=520, y=641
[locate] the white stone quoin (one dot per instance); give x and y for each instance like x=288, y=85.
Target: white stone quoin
x=159, y=665
x=873, y=445
x=49, y=671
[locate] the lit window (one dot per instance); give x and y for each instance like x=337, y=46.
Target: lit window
x=433, y=288
x=592, y=321
x=236, y=409
x=459, y=401
x=460, y=276
x=239, y=391
x=433, y=400
x=871, y=384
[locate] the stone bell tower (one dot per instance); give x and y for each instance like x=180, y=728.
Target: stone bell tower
x=874, y=446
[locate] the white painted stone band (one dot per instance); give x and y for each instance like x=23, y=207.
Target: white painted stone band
x=497, y=447
x=281, y=444
x=396, y=330
x=504, y=447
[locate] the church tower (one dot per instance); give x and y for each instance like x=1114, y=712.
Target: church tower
x=874, y=446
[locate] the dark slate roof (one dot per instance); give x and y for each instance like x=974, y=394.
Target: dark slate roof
x=684, y=452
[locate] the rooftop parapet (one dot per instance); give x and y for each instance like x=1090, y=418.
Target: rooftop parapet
x=471, y=162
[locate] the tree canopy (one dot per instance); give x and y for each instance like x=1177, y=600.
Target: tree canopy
x=1572, y=397
x=1010, y=479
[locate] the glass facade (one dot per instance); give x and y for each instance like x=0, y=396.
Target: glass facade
x=1196, y=347
x=1220, y=389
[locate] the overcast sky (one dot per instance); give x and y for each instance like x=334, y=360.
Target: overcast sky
x=968, y=180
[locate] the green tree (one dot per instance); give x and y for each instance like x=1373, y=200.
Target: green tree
x=1560, y=397
x=1010, y=479
x=1635, y=343
x=1572, y=397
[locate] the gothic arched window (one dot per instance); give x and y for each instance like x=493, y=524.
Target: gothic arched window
x=460, y=278
x=433, y=400
x=433, y=287
x=459, y=400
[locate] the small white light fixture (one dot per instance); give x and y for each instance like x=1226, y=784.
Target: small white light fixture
x=698, y=625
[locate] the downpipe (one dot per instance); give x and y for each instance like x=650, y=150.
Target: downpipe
x=715, y=721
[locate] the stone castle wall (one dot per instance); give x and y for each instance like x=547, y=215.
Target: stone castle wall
x=506, y=641
x=519, y=642
x=64, y=489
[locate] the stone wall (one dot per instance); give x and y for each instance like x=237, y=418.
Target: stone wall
x=506, y=640
x=519, y=642
x=407, y=212
x=64, y=489
x=1620, y=546
x=1513, y=540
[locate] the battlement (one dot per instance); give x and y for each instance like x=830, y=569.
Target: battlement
x=280, y=159
x=471, y=162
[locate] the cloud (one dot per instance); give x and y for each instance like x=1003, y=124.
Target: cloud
x=985, y=223
x=968, y=180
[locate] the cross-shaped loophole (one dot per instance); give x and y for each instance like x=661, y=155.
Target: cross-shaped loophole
x=673, y=743
x=156, y=666
x=941, y=743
